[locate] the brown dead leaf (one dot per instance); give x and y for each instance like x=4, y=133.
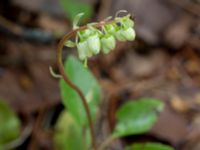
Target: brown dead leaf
x=173, y=73
x=171, y=126
x=192, y=67
x=25, y=81
x=179, y=104
x=197, y=98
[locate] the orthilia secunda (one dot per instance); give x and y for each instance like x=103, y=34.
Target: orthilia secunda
x=91, y=40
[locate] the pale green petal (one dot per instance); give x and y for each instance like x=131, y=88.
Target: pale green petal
x=82, y=50
x=129, y=34
x=94, y=44
x=108, y=43
x=119, y=35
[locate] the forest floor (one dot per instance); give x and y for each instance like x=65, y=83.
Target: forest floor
x=163, y=63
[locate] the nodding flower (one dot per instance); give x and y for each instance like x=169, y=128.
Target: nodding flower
x=83, y=50
x=108, y=43
x=91, y=41
x=94, y=43
x=128, y=34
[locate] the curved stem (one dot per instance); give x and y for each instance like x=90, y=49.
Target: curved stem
x=70, y=83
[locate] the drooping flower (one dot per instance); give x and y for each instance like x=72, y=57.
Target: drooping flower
x=83, y=50
x=94, y=43
x=110, y=28
x=126, y=21
x=128, y=34
x=108, y=43
x=91, y=40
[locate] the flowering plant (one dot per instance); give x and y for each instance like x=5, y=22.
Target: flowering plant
x=81, y=92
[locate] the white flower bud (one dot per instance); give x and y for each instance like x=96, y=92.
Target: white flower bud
x=84, y=34
x=108, y=43
x=83, y=50
x=94, y=43
x=111, y=28
x=129, y=34
x=119, y=35
x=127, y=22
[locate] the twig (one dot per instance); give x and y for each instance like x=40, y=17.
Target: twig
x=32, y=145
x=107, y=142
x=188, y=6
x=10, y=26
x=31, y=34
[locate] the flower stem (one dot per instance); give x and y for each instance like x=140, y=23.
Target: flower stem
x=73, y=86
x=70, y=83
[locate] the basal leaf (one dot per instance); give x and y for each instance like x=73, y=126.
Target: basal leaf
x=136, y=117
x=68, y=134
x=148, y=146
x=74, y=7
x=84, y=79
x=9, y=124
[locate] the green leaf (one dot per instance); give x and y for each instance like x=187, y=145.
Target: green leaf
x=74, y=7
x=70, y=44
x=87, y=140
x=137, y=117
x=9, y=124
x=149, y=146
x=68, y=134
x=83, y=78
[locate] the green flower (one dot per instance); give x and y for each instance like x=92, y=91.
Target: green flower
x=108, y=43
x=120, y=36
x=84, y=34
x=125, y=29
x=126, y=21
x=90, y=41
x=128, y=34
x=94, y=43
x=83, y=50
x=110, y=28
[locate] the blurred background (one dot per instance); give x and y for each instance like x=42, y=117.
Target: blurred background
x=163, y=62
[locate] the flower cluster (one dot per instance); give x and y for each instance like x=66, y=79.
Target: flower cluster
x=91, y=40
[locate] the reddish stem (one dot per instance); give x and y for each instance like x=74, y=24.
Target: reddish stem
x=70, y=83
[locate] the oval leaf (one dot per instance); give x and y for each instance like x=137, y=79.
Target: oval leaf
x=74, y=7
x=136, y=117
x=68, y=134
x=9, y=124
x=83, y=78
x=149, y=146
